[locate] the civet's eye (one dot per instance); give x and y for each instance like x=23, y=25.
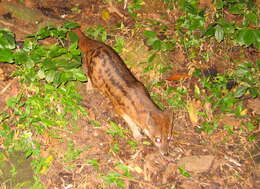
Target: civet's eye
x=158, y=139
x=169, y=138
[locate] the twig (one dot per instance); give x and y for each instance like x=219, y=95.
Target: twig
x=112, y=8
x=125, y=4
x=6, y=87
x=139, y=181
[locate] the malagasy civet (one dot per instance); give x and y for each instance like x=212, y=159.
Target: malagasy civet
x=130, y=99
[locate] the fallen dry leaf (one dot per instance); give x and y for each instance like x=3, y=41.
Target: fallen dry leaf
x=105, y=15
x=177, y=77
x=193, y=108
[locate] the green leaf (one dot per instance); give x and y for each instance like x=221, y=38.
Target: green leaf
x=210, y=31
x=7, y=39
x=79, y=75
x=151, y=57
x=56, y=80
x=43, y=33
x=119, y=45
x=73, y=49
x=256, y=43
x=251, y=18
x=71, y=25
x=157, y=45
x=29, y=45
x=66, y=76
x=48, y=122
x=56, y=51
x=219, y=4
x=50, y=76
x=150, y=41
x=150, y=34
x=184, y=172
x=240, y=91
x=30, y=63
x=168, y=45
x=65, y=64
x=104, y=36
x=237, y=8
x=12, y=101
x=241, y=72
x=73, y=37
x=247, y=37
x=93, y=162
x=49, y=64
x=219, y=33
x=41, y=74
x=6, y=55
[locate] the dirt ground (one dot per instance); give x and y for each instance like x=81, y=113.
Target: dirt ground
x=212, y=163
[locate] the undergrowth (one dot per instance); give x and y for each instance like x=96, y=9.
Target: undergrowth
x=48, y=97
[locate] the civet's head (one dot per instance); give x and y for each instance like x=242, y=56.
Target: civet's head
x=159, y=130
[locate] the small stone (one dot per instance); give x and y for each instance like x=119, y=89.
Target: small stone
x=197, y=164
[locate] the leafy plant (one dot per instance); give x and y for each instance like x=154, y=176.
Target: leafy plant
x=222, y=97
x=115, y=148
x=116, y=130
x=7, y=44
x=242, y=36
x=239, y=33
x=229, y=129
x=93, y=162
x=239, y=7
x=247, y=75
x=95, y=123
x=194, y=18
x=114, y=177
x=221, y=29
x=208, y=127
x=99, y=33
x=133, y=144
x=190, y=25
x=72, y=153
x=48, y=97
x=175, y=96
x=156, y=43
x=125, y=170
x=134, y=6
x=247, y=37
x=41, y=164
x=119, y=44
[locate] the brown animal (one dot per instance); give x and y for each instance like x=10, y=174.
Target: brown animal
x=129, y=97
